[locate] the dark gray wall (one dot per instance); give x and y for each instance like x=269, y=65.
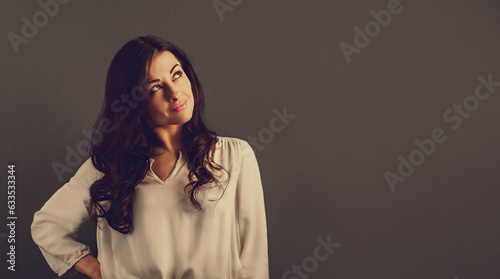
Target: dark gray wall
x=323, y=174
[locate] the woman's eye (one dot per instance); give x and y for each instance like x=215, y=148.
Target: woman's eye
x=155, y=88
x=177, y=74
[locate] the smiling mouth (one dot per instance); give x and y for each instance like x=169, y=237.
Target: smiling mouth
x=180, y=106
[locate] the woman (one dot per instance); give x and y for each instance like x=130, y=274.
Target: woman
x=171, y=199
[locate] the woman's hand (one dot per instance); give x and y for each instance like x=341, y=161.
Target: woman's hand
x=89, y=266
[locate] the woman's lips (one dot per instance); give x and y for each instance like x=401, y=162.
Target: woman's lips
x=180, y=107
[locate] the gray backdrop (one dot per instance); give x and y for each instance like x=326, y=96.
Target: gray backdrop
x=388, y=147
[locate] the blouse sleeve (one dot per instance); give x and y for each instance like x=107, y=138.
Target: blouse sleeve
x=251, y=218
x=55, y=225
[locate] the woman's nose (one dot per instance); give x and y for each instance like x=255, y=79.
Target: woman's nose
x=172, y=93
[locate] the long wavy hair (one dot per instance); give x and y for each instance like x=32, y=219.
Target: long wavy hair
x=122, y=144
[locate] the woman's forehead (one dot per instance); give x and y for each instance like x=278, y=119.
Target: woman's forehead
x=162, y=62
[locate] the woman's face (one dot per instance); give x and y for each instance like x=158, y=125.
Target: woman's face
x=171, y=99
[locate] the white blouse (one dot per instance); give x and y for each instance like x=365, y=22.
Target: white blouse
x=171, y=239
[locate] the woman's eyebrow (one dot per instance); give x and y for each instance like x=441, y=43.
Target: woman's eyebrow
x=171, y=70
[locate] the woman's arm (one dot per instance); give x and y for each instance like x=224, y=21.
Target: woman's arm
x=55, y=225
x=251, y=218
x=89, y=266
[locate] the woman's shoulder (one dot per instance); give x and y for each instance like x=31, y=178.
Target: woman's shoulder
x=232, y=143
x=233, y=147
x=88, y=171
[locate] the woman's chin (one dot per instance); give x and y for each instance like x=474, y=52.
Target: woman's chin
x=175, y=122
